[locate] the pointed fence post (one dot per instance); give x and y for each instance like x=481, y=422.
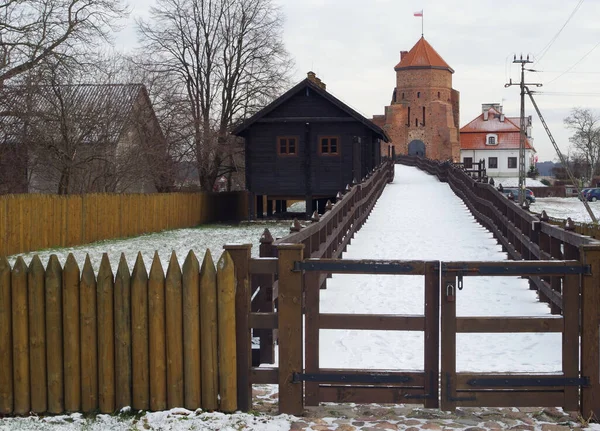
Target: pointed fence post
x=54, y=336
x=290, y=329
x=590, y=334
x=37, y=335
x=20, y=336
x=123, y=379
x=226, y=296
x=139, y=336
x=208, y=337
x=106, y=339
x=6, y=366
x=191, y=331
x=240, y=254
x=174, y=327
x=89, y=338
x=157, y=342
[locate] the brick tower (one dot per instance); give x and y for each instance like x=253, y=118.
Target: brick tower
x=423, y=116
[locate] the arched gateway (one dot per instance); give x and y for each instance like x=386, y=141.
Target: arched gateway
x=416, y=148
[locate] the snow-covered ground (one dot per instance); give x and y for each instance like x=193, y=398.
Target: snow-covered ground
x=417, y=217
x=566, y=207
x=514, y=182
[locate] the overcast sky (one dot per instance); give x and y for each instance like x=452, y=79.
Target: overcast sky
x=353, y=46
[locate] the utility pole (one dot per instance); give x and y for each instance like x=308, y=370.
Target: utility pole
x=523, y=136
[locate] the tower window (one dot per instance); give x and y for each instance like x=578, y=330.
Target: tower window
x=418, y=94
x=423, y=115
x=416, y=122
x=408, y=118
x=438, y=94
x=402, y=96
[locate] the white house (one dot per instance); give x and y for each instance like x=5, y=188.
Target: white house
x=495, y=138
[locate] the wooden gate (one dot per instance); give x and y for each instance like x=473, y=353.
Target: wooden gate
x=443, y=282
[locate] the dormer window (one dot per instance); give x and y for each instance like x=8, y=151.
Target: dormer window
x=491, y=139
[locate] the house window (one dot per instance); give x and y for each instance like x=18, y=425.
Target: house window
x=468, y=162
x=329, y=145
x=491, y=139
x=512, y=163
x=493, y=162
x=287, y=145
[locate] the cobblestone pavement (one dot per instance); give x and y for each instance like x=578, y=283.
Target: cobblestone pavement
x=373, y=417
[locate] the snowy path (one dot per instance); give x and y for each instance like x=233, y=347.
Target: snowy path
x=419, y=218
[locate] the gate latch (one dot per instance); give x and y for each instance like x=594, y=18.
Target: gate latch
x=450, y=292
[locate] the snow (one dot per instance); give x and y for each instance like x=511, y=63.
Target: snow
x=566, y=207
x=416, y=218
x=514, y=182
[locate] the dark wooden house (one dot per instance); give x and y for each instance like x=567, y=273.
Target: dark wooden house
x=306, y=145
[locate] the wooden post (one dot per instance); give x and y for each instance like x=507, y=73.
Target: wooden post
x=448, y=342
x=290, y=329
x=123, y=379
x=37, y=336
x=432, y=335
x=312, y=295
x=208, y=330
x=174, y=326
x=54, y=336
x=590, y=357
x=265, y=281
x=139, y=336
x=240, y=254
x=226, y=304
x=6, y=366
x=89, y=338
x=269, y=207
x=106, y=340
x=570, y=339
x=20, y=336
x=157, y=344
x=191, y=331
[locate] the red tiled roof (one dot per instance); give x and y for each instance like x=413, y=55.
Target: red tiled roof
x=506, y=141
x=423, y=55
x=492, y=124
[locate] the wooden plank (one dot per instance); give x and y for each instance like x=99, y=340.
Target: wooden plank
x=174, y=327
x=500, y=324
x=290, y=329
x=263, y=320
x=37, y=335
x=157, y=342
x=264, y=375
x=71, y=333
x=240, y=254
x=372, y=322
x=511, y=399
x=54, y=336
x=590, y=333
x=417, y=378
x=106, y=341
x=122, y=301
x=263, y=265
x=448, y=342
x=463, y=378
x=139, y=336
x=89, y=338
x=343, y=266
x=20, y=336
x=311, y=339
x=226, y=305
x=432, y=335
x=208, y=330
x=570, y=339
x=370, y=394
x=6, y=365
x=191, y=332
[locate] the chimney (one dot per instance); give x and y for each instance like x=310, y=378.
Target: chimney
x=311, y=76
x=403, y=54
x=502, y=118
x=486, y=113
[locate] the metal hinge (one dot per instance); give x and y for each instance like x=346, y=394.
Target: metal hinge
x=350, y=378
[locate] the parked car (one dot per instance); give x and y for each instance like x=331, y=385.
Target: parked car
x=584, y=193
x=513, y=194
x=593, y=194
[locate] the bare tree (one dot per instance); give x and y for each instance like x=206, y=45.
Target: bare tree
x=225, y=59
x=585, y=125
x=34, y=31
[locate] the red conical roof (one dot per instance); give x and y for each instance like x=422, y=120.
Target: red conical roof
x=422, y=55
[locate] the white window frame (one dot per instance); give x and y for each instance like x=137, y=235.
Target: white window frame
x=491, y=135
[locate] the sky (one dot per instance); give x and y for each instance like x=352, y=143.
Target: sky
x=353, y=46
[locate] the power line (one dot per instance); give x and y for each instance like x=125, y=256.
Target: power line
x=579, y=61
x=549, y=44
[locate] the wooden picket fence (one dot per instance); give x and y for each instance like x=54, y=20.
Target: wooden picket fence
x=72, y=340
x=35, y=222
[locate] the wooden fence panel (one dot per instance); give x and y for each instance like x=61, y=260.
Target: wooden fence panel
x=106, y=341
x=54, y=335
x=157, y=343
x=37, y=335
x=139, y=335
x=122, y=304
x=208, y=330
x=174, y=327
x=89, y=338
x=191, y=332
x=6, y=367
x=20, y=336
x=226, y=294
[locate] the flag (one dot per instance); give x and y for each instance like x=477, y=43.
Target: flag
x=419, y=13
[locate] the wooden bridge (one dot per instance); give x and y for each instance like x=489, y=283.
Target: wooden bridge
x=562, y=265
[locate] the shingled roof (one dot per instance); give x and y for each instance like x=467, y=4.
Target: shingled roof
x=422, y=55
x=110, y=105
x=473, y=135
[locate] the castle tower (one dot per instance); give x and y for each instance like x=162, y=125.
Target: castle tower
x=423, y=117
